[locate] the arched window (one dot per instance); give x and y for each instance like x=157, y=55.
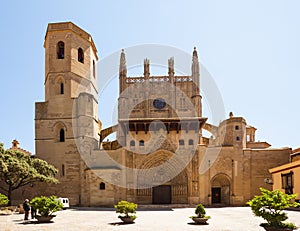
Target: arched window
x=142, y=143
x=63, y=170
x=102, y=186
x=62, y=135
x=62, y=88
x=181, y=142
x=191, y=142
x=60, y=50
x=132, y=143
x=94, y=69
x=80, y=55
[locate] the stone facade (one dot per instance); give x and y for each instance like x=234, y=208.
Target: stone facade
x=160, y=155
x=70, y=87
x=286, y=177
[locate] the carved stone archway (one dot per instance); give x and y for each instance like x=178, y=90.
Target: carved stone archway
x=166, y=175
x=220, y=189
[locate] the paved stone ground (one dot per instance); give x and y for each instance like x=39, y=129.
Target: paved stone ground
x=95, y=219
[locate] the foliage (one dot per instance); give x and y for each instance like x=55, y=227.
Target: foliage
x=200, y=212
x=18, y=169
x=270, y=205
x=125, y=207
x=3, y=200
x=45, y=206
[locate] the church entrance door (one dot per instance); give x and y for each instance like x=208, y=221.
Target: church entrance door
x=161, y=194
x=220, y=189
x=216, y=195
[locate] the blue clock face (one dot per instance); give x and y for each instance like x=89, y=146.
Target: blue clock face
x=159, y=103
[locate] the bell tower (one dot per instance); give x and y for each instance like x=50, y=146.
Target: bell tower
x=70, y=110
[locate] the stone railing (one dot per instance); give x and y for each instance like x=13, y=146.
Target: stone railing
x=183, y=79
x=157, y=79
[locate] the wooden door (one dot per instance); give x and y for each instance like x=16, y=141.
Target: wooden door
x=215, y=195
x=161, y=194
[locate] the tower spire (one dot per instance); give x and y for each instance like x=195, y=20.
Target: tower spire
x=195, y=72
x=171, y=65
x=171, y=69
x=146, y=68
x=195, y=52
x=195, y=64
x=196, y=83
x=122, y=71
x=123, y=68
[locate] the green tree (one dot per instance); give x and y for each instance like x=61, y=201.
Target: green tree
x=270, y=205
x=200, y=210
x=18, y=169
x=125, y=207
x=3, y=200
x=45, y=206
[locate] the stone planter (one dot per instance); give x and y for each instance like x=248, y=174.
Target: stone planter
x=277, y=229
x=44, y=219
x=200, y=220
x=5, y=212
x=127, y=220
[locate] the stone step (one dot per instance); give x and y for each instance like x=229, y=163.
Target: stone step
x=167, y=206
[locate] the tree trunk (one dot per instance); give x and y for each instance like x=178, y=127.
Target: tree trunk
x=9, y=192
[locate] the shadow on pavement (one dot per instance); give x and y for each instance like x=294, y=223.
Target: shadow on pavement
x=120, y=223
x=193, y=223
x=31, y=222
x=19, y=220
x=155, y=209
x=113, y=209
x=92, y=209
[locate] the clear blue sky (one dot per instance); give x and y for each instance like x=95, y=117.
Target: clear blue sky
x=250, y=47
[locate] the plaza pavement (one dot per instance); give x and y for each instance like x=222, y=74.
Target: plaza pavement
x=162, y=219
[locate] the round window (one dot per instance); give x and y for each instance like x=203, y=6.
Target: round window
x=159, y=103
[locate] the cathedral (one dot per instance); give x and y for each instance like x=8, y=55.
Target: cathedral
x=160, y=155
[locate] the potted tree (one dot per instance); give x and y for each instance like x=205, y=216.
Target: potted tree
x=127, y=209
x=270, y=205
x=45, y=207
x=3, y=202
x=200, y=217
